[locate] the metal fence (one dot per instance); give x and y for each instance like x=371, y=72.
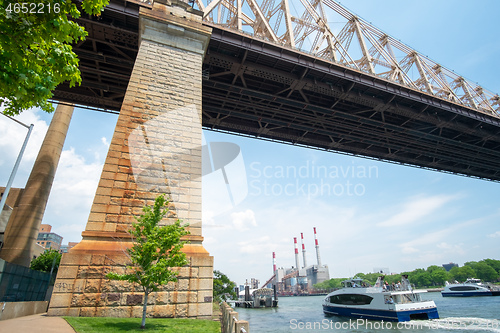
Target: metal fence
x=19, y=283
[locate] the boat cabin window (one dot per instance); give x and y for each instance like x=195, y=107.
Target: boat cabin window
x=463, y=288
x=351, y=299
x=402, y=299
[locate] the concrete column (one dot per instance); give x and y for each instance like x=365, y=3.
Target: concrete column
x=22, y=229
x=155, y=149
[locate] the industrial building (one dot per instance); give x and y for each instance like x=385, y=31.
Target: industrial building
x=299, y=279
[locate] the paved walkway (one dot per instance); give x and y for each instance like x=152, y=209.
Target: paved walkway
x=36, y=323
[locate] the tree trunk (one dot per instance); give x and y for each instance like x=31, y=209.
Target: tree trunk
x=144, y=308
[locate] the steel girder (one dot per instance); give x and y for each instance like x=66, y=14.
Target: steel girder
x=266, y=90
x=107, y=57
x=259, y=89
x=348, y=41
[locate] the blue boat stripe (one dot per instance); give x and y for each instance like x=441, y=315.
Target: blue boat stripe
x=379, y=314
x=464, y=294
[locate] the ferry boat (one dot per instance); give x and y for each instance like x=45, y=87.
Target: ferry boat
x=471, y=287
x=381, y=302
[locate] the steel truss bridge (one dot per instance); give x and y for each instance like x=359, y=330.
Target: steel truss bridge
x=281, y=72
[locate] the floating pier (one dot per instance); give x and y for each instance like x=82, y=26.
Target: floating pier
x=260, y=298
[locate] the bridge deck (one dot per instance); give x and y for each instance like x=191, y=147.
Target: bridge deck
x=256, y=88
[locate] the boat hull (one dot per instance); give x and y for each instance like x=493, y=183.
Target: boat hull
x=386, y=315
x=468, y=294
x=471, y=287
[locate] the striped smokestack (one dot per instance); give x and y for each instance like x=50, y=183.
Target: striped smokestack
x=317, y=247
x=303, y=250
x=274, y=263
x=296, y=252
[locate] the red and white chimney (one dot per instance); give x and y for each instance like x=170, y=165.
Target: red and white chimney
x=303, y=250
x=296, y=253
x=274, y=263
x=317, y=247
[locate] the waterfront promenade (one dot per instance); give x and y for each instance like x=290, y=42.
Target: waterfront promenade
x=36, y=323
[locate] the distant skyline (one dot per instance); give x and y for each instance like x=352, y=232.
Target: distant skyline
x=368, y=214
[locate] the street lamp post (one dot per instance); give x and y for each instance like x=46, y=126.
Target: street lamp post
x=16, y=166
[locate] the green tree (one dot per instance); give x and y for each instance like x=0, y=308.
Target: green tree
x=439, y=277
x=461, y=274
x=369, y=277
x=46, y=261
x=420, y=277
x=155, y=250
x=223, y=287
x=433, y=268
x=472, y=264
x=485, y=272
x=35, y=50
x=333, y=283
x=495, y=264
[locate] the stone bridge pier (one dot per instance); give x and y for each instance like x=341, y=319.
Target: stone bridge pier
x=156, y=148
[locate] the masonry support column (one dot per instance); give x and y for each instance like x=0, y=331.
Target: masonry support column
x=24, y=223
x=156, y=148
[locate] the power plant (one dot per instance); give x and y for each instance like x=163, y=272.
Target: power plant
x=298, y=279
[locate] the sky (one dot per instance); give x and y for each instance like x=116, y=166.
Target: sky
x=368, y=214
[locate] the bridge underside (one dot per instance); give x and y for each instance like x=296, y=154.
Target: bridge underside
x=260, y=89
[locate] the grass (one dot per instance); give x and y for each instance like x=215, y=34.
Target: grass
x=116, y=325
x=216, y=313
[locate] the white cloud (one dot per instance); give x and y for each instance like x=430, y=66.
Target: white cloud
x=208, y=218
x=258, y=245
x=451, y=248
x=432, y=246
x=72, y=195
x=416, y=209
x=13, y=136
x=75, y=181
x=104, y=141
x=409, y=250
x=494, y=235
x=244, y=220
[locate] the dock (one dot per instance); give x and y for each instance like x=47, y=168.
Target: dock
x=260, y=298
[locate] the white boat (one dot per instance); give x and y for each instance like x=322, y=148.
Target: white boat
x=380, y=302
x=471, y=287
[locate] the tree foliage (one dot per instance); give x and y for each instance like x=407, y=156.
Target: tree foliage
x=485, y=272
x=155, y=250
x=461, y=274
x=35, y=50
x=495, y=264
x=471, y=264
x=439, y=277
x=333, y=283
x=45, y=261
x=223, y=287
x=434, y=276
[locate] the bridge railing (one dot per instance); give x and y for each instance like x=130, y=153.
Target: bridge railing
x=230, y=322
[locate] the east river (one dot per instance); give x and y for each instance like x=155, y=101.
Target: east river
x=305, y=314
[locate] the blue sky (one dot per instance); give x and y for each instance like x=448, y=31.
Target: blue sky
x=382, y=215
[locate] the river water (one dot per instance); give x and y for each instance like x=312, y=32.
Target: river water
x=305, y=314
